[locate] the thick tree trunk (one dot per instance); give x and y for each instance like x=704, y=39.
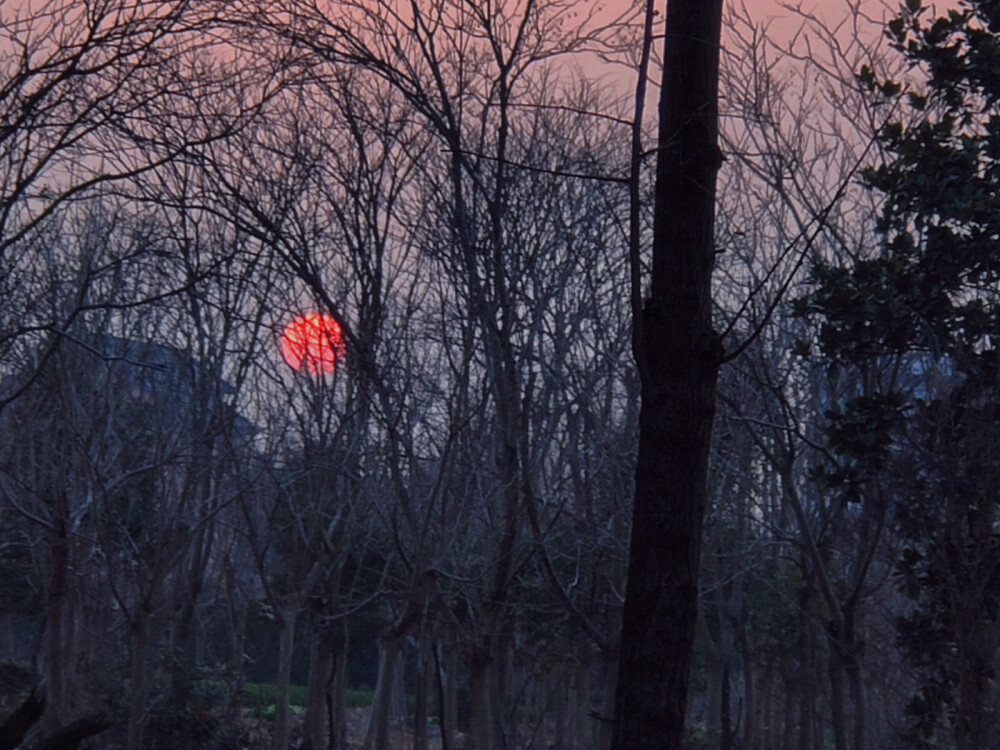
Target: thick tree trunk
x=678, y=355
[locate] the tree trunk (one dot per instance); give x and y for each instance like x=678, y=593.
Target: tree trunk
x=478, y=736
x=766, y=730
x=497, y=687
x=749, y=692
x=838, y=720
x=238, y=625
x=446, y=661
x=382, y=709
x=581, y=700
x=336, y=691
x=286, y=648
x=805, y=674
x=421, y=703
x=139, y=636
x=726, y=713
x=321, y=666
x=186, y=632
x=715, y=667
x=678, y=356
x=610, y=682
x=559, y=705
x=859, y=701
x=57, y=614
x=788, y=717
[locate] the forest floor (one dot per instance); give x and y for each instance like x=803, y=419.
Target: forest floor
x=400, y=737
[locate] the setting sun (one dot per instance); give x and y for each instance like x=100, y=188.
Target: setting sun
x=313, y=343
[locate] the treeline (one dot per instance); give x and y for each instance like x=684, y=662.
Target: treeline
x=444, y=519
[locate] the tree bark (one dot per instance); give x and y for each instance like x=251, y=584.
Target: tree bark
x=139, y=636
x=322, y=662
x=749, y=691
x=336, y=706
x=446, y=663
x=838, y=721
x=608, y=708
x=478, y=737
x=382, y=709
x=859, y=701
x=678, y=356
x=422, y=696
x=282, y=712
x=57, y=612
x=238, y=630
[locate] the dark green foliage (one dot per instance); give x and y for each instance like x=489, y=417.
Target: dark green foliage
x=266, y=693
x=927, y=301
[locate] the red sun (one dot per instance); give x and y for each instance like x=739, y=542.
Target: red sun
x=313, y=343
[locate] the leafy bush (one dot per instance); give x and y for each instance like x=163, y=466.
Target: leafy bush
x=360, y=698
x=266, y=693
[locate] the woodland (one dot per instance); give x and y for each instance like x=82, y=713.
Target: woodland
x=426, y=544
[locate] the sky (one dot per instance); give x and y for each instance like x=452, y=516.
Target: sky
x=781, y=22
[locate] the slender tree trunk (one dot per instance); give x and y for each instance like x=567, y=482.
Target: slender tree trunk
x=806, y=669
x=859, y=702
x=559, y=690
x=749, y=692
x=282, y=711
x=238, y=625
x=715, y=667
x=139, y=636
x=336, y=708
x=321, y=666
x=788, y=728
x=678, y=356
x=377, y=736
x=581, y=699
x=838, y=720
x=446, y=661
x=767, y=730
x=610, y=683
x=478, y=736
x=186, y=633
x=421, y=704
x=57, y=613
x=726, y=714
x=498, y=688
